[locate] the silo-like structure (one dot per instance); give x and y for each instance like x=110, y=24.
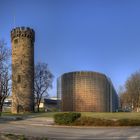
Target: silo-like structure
x=86, y=91
x=22, y=40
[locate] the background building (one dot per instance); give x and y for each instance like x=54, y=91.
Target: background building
x=22, y=40
x=86, y=92
x=51, y=104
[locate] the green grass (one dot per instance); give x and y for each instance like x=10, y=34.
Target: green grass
x=47, y=114
x=117, y=115
x=40, y=114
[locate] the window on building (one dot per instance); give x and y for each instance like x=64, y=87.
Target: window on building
x=15, y=41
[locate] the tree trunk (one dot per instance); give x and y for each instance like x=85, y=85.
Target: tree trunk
x=1, y=109
x=38, y=108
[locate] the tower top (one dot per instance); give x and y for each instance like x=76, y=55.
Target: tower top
x=23, y=32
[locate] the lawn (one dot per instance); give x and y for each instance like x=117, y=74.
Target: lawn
x=40, y=114
x=115, y=115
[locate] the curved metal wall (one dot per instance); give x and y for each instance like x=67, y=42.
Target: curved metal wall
x=85, y=92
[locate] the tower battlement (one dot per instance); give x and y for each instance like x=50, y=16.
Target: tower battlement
x=23, y=32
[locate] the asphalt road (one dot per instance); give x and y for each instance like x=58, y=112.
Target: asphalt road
x=42, y=128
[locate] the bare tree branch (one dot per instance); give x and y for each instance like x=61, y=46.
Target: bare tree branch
x=131, y=96
x=42, y=82
x=4, y=73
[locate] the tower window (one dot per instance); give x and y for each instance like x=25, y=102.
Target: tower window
x=18, y=79
x=15, y=41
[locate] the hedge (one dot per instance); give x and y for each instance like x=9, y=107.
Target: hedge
x=66, y=118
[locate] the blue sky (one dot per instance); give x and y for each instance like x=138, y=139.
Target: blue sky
x=71, y=35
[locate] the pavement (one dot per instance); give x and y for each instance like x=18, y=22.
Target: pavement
x=44, y=127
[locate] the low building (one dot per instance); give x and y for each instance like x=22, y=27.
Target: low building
x=51, y=104
x=7, y=104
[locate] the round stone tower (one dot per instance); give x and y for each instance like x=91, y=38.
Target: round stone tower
x=22, y=39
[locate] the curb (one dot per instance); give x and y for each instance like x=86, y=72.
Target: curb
x=65, y=126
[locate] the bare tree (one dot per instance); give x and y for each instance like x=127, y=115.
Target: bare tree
x=4, y=52
x=42, y=82
x=4, y=73
x=125, y=101
x=121, y=92
x=5, y=86
x=133, y=90
x=130, y=93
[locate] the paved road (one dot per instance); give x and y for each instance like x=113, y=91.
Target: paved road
x=42, y=128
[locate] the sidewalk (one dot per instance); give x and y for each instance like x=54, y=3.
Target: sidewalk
x=44, y=121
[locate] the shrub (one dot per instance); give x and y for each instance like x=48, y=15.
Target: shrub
x=66, y=118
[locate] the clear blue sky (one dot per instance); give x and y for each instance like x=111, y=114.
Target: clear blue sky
x=95, y=35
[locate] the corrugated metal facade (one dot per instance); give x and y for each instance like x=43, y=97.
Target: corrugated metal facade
x=86, y=92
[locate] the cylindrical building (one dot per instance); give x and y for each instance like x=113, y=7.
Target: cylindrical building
x=22, y=39
x=86, y=91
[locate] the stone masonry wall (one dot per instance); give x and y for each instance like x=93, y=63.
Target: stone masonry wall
x=22, y=40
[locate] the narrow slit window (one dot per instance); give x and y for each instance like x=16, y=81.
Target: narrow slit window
x=19, y=79
x=15, y=41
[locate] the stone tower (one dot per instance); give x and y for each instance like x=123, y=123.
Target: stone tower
x=22, y=39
